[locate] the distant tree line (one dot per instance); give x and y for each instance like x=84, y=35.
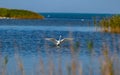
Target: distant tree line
x=111, y=24
x=19, y=14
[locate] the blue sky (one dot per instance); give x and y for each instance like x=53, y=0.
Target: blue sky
x=67, y=6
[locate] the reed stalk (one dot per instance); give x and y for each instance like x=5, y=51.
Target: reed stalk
x=18, y=59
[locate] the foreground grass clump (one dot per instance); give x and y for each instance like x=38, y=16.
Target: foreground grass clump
x=111, y=24
x=19, y=14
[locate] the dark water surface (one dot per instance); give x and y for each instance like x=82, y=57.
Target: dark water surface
x=24, y=41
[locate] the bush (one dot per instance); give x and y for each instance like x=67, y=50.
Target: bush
x=112, y=23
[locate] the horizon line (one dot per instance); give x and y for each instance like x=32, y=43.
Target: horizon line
x=79, y=13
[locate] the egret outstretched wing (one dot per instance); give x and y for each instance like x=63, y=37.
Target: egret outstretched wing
x=52, y=40
x=66, y=39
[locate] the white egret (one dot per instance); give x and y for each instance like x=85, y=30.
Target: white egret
x=58, y=42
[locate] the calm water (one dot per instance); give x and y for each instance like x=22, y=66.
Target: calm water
x=26, y=39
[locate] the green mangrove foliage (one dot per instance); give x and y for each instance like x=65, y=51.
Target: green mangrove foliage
x=19, y=14
x=111, y=24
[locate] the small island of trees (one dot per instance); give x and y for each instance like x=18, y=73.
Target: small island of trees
x=19, y=14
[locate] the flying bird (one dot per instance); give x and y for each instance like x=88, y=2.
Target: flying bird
x=58, y=42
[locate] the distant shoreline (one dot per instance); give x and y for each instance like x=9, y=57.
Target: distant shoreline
x=6, y=18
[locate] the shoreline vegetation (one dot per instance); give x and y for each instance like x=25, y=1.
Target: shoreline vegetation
x=18, y=14
x=111, y=24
